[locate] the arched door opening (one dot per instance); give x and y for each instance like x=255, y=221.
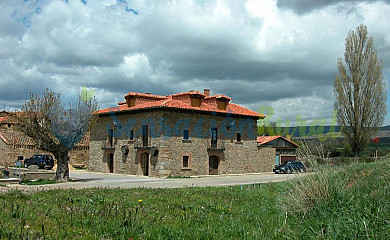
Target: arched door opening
x=111, y=162
x=145, y=163
x=213, y=165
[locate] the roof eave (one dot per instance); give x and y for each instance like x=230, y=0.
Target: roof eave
x=175, y=108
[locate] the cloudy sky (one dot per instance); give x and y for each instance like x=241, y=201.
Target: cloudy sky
x=280, y=53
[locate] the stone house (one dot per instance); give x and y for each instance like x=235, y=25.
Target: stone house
x=190, y=133
x=285, y=149
x=15, y=145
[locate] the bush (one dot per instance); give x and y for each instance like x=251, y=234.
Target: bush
x=346, y=202
x=347, y=149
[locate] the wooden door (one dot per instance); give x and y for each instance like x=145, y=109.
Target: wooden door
x=288, y=158
x=213, y=165
x=145, y=164
x=111, y=162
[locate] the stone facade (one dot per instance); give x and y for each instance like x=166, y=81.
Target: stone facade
x=285, y=149
x=167, y=153
x=11, y=153
x=15, y=145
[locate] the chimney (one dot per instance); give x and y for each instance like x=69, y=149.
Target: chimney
x=207, y=92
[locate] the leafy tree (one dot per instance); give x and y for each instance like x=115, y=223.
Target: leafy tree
x=55, y=128
x=267, y=129
x=360, y=90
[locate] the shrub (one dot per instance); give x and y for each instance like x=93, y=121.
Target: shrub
x=346, y=202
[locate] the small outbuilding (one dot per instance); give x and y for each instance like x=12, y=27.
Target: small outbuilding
x=285, y=149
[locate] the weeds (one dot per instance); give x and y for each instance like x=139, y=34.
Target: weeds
x=347, y=202
x=39, y=182
x=178, y=176
x=350, y=201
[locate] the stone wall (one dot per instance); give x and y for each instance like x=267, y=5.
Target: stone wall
x=79, y=155
x=238, y=157
x=9, y=154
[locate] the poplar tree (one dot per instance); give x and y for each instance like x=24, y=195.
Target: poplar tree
x=359, y=90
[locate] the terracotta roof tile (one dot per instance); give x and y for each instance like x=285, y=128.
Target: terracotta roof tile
x=4, y=119
x=84, y=141
x=145, y=95
x=266, y=139
x=13, y=137
x=218, y=96
x=186, y=93
x=169, y=102
x=176, y=104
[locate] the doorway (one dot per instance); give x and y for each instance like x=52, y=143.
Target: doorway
x=145, y=164
x=213, y=165
x=288, y=158
x=111, y=162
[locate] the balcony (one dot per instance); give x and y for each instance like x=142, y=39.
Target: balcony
x=217, y=145
x=142, y=144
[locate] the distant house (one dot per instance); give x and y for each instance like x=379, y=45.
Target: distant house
x=189, y=133
x=5, y=120
x=16, y=145
x=285, y=149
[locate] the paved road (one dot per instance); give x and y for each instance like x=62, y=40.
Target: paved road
x=92, y=179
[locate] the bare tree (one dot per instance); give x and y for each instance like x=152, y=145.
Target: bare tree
x=55, y=128
x=360, y=90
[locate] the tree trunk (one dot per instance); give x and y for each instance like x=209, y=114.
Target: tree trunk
x=62, y=174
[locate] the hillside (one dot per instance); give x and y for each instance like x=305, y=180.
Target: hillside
x=307, y=131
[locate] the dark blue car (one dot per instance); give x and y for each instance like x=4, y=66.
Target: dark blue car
x=290, y=167
x=41, y=160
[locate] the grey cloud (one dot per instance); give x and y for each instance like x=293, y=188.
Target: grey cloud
x=305, y=6
x=183, y=47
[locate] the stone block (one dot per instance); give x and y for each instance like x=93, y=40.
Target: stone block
x=33, y=168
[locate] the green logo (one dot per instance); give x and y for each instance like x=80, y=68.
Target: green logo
x=86, y=95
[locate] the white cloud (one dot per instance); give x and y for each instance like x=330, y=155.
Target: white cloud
x=136, y=64
x=255, y=51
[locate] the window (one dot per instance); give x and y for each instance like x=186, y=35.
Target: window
x=9, y=125
x=20, y=158
x=111, y=138
x=131, y=135
x=238, y=137
x=186, y=134
x=145, y=135
x=214, y=137
x=214, y=134
x=186, y=161
x=292, y=152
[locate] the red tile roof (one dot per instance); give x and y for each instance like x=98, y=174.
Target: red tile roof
x=145, y=95
x=186, y=93
x=14, y=137
x=4, y=119
x=266, y=139
x=218, y=96
x=170, y=103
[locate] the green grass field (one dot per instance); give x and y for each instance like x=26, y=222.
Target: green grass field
x=383, y=147
x=350, y=202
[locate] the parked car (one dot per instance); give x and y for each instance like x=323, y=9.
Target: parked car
x=41, y=160
x=290, y=167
